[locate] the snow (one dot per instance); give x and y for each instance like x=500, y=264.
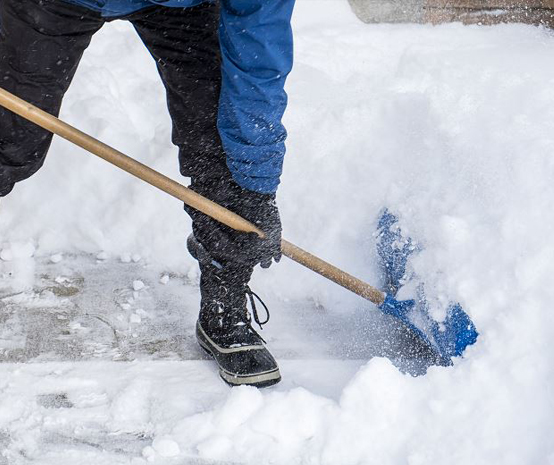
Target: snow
x=17, y=250
x=451, y=127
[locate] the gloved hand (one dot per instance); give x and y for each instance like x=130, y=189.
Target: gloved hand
x=225, y=244
x=261, y=209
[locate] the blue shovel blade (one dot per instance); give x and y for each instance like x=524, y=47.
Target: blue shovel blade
x=448, y=338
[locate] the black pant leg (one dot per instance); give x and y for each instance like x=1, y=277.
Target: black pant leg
x=185, y=44
x=41, y=44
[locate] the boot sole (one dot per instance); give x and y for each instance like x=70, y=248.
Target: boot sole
x=259, y=380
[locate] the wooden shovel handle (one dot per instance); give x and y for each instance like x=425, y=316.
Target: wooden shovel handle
x=186, y=195
x=331, y=272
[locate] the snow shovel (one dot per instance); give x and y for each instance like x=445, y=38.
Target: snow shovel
x=447, y=339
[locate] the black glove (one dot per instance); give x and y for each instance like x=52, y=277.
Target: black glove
x=225, y=244
x=261, y=209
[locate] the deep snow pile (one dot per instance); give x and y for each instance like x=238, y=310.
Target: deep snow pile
x=451, y=127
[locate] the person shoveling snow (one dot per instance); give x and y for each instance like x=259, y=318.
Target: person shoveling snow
x=224, y=68
x=239, y=174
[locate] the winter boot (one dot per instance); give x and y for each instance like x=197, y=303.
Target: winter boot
x=224, y=328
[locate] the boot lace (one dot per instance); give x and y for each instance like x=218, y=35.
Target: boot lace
x=237, y=318
x=244, y=319
x=252, y=297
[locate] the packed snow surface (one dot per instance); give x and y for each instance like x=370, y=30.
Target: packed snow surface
x=451, y=127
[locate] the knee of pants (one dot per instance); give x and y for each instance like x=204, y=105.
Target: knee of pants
x=20, y=161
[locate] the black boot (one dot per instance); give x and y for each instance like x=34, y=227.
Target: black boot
x=224, y=327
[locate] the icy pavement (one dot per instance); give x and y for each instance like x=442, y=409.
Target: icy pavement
x=84, y=308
